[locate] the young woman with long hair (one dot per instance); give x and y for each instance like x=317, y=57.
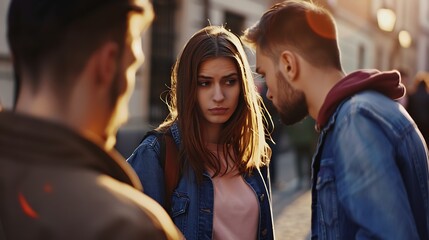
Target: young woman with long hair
x=216, y=120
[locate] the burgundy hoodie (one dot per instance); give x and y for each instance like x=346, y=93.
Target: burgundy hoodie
x=387, y=83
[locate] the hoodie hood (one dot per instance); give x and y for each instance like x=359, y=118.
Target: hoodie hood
x=387, y=83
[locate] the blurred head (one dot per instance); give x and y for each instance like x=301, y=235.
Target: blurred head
x=53, y=42
x=212, y=71
x=299, y=28
x=420, y=79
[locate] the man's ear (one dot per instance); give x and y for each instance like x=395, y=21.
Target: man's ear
x=107, y=63
x=288, y=64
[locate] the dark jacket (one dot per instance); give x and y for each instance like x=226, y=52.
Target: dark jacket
x=55, y=184
x=418, y=107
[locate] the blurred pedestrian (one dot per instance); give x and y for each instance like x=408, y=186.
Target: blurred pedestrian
x=59, y=175
x=370, y=169
x=216, y=121
x=418, y=104
x=274, y=135
x=405, y=77
x=302, y=139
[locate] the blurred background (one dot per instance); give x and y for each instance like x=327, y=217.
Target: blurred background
x=382, y=34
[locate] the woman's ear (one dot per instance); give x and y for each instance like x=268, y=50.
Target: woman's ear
x=288, y=65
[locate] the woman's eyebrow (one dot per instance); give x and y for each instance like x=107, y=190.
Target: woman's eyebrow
x=204, y=77
x=230, y=75
x=226, y=76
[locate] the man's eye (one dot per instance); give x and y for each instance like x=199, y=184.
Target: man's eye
x=259, y=77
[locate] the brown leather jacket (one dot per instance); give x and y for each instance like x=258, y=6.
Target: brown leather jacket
x=55, y=184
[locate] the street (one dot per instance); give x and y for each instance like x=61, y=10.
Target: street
x=291, y=207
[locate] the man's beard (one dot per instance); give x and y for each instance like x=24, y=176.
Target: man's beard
x=292, y=105
x=118, y=105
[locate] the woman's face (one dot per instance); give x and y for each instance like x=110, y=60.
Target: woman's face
x=218, y=90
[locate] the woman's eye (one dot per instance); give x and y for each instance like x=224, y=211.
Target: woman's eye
x=231, y=81
x=203, y=83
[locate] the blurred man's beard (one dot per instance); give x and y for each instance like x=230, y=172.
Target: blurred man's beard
x=117, y=103
x=116, y=88
x=292, y=106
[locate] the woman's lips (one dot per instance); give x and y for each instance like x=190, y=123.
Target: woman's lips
x=218, y=110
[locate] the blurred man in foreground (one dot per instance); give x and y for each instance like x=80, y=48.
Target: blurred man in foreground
x=75, y=63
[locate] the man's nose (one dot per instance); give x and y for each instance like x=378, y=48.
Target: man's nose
x=269, y=95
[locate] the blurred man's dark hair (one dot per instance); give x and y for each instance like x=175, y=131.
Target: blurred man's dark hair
x=57, y=37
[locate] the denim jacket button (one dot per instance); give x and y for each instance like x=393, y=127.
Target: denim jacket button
x=264, y=232
x=262, y=197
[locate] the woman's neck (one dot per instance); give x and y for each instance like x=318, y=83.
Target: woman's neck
x=211, y=133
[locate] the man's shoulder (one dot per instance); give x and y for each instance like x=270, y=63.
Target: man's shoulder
x=140, y=207
x=372, y=106
x=370, y=102
x=368, y=97
x=102, y=192
x=77, y=205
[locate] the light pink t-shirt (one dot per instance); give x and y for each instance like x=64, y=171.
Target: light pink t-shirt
x=236, y=208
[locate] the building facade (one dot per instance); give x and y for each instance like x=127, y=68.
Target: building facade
x=363, y=44
x=6, y=73
x=176, y=22
x=422, y=37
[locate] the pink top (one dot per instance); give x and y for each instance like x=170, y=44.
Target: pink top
x=236, y=208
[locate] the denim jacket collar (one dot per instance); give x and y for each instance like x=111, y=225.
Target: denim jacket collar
x=331, y=121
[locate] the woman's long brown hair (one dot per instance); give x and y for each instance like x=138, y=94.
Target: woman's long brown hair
x=244, y=132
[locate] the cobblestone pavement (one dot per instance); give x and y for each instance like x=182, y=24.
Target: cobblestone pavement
x=293, y=221
x=291, y=207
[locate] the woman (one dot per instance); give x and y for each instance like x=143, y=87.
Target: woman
x=216, y=121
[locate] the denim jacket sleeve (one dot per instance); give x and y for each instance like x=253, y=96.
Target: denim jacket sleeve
x=145, y=161
x=368, y=182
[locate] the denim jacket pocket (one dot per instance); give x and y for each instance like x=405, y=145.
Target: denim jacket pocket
x=179, y=210
x=327, y=196
x=179, y=204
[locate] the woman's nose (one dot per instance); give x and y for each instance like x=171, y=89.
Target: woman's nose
x=218, y=94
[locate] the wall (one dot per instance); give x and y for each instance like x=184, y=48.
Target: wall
x=6, y=83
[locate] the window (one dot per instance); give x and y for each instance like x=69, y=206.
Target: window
x=361, y=56
x=426, y=58
x=234, y=22
x=162, y=57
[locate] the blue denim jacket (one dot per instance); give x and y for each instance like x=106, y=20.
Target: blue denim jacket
x=370, y=173
x=192, y=204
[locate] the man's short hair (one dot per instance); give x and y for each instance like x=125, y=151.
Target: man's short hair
x=60, y=35
x=299, y=25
